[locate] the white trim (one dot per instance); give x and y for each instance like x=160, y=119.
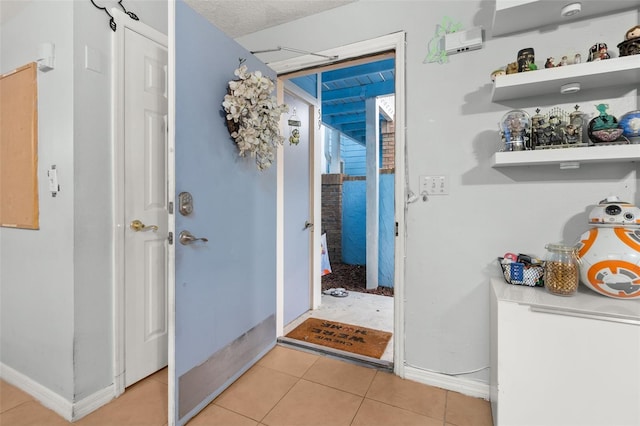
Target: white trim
x=280, y=224
x=354, y=50
x=122, y=21
x=68, y=410
x=397, y=43
x=452, y=383
x=94, y=401
x=171, y=188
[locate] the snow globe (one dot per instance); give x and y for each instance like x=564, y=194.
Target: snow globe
x=609, y=252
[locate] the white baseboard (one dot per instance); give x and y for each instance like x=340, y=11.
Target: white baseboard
x=93, y=402
x=456, y=384
x=68, y=410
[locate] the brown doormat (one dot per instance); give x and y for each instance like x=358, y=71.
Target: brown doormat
x=346, y=337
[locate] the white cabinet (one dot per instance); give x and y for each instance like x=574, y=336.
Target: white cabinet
x=563, y=361
x=513, y=16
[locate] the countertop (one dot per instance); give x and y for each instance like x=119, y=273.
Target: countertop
x=585, y=303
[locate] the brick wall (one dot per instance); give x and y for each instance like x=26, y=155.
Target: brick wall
x=388, y=145
x=332, y=214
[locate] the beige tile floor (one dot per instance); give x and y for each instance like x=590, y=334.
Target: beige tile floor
x=287, y=387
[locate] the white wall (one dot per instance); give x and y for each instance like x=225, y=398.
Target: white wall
x=452, y=130
x=36, y=267
x=56, y=283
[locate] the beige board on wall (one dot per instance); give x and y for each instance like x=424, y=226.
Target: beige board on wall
x=19, y=148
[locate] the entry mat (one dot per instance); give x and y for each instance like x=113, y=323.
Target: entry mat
x=346, y=337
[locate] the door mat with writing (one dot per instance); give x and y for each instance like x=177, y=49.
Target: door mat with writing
x=346, y=337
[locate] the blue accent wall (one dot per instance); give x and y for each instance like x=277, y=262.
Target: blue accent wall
x=354, y=214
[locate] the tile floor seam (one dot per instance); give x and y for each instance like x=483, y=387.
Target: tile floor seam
x=261, y=421
x=407, y=409
x=21, y=404
x=357, y=411
x=446, y=402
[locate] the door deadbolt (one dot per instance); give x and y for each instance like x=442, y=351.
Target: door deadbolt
x=185, y=203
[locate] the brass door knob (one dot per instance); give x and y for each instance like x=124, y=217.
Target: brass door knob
x=138, y=226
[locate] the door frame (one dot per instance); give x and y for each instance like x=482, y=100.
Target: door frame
x=119, y=222
x=397, y=43
x=314, y=205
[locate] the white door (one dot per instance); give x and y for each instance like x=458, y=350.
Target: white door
x=298, y=216
x=145, y=206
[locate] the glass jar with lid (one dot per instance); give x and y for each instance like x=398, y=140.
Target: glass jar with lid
x=561, y=272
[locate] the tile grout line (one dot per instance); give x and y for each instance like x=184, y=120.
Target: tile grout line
x=261, y=421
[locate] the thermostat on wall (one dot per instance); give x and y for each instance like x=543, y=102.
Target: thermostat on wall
x=462, y=41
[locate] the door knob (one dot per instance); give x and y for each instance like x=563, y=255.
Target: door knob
x=138, y=226
x=307, y=225
x=187, y=238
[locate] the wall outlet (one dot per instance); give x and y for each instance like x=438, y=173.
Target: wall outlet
x=434, y=185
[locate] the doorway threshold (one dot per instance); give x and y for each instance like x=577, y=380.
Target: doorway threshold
x=336, y=353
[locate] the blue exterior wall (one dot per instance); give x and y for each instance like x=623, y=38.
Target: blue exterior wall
x=354, y=240
x=354, y=157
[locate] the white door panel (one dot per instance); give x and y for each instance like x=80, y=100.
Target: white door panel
x=298, y=218
x=145, y=181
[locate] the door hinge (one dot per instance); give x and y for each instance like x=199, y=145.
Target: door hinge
x=170, y=238
x=396, y=229
x=170, y=207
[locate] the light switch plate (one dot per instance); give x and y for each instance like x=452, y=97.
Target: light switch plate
x=434, y=185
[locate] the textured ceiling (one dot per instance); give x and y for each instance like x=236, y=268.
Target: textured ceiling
x=241, y=17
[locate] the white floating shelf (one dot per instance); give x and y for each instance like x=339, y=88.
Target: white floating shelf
x=590, y=154
x=516, y=16
x=590, y=75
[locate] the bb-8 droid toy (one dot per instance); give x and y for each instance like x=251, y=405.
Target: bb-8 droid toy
x=610, y=251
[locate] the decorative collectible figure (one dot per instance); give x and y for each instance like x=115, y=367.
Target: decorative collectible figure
x=512, y=68
x=577, y=59
x=496, y=73
x=632, y=33
x=610, y=251
x=598, y=52
x=515, y=129
x=604, y=127
x=526, y=57
x=549, y=63
x=573, y=132
x=631, y=43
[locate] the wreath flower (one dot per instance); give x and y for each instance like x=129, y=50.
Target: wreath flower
x=253, y=116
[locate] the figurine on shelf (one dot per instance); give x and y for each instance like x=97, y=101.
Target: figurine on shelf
x=597, y=52
x=563, y=62
x=573, y=133
x=633, y=33
x=604, y=127
x=549, y=63
x=526, y=57
x=631, y=44
x=577, y=59
x=515, y=129
x=496, y=73
x=512, y=68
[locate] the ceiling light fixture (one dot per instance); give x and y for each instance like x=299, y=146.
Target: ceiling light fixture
x=571, y=9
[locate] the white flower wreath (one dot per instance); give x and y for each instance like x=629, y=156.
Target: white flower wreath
x=253, y=116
